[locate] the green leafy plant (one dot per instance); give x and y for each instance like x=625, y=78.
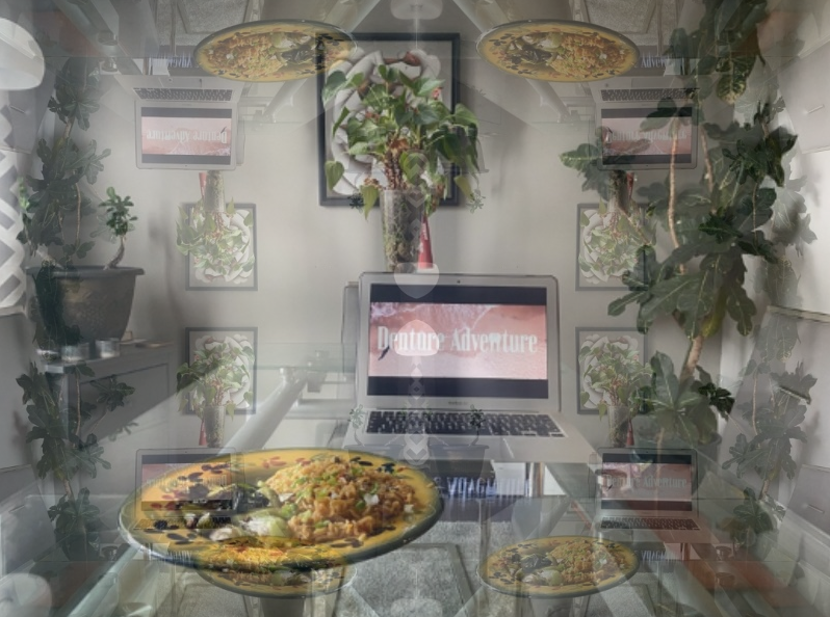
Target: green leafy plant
x=733, y=213
x=411, y=134
x=749, y=520
x=118, y=221
x=56, y=202
x=217, y=376
x=69, y=448
x=613, y=369
x=215, y=241
x=611, y=241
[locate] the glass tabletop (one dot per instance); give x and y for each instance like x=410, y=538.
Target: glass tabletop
x=487, y=506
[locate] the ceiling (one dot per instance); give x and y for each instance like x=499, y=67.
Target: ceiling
x=131, y=31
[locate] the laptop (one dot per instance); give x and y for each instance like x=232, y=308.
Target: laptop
x=623, y=103
x=153, y=464
x=186, y=122
x=647, y=495
x=455, y=364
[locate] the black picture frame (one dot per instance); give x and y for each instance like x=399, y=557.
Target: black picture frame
x=193, y=337
x=444, y=45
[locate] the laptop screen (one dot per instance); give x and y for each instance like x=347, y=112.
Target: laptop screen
x=174, y=136
x=647, y=481
x=458, y=341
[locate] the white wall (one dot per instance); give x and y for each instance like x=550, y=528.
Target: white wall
x=307, y=253
x=813, y=291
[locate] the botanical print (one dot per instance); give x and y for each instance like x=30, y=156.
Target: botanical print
x=608, y=245
x=221, y=247
x=611, y=367
x=224, y=361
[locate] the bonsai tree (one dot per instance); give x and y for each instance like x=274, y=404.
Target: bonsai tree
x=118, y=222
x=414, y=139
x=53, y=209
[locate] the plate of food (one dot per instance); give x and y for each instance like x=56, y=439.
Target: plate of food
x=272, y=51
x=559, y=567
x=558, y=51
x=282, y=509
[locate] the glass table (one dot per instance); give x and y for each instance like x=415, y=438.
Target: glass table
x=486, y=507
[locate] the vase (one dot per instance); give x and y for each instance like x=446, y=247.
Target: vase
x=213, y=418
x=619, y=422
x=212, y=185
x=82, y=303
x=401, y=214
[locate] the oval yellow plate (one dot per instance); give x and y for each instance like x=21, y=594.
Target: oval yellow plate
x=272, y=51
x=154, y=520
x=584, y=565
x=558, y=51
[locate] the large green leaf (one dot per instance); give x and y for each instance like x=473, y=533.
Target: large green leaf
x=735, y=72
x=740, y=308
x=334, y=172
x=777, y=338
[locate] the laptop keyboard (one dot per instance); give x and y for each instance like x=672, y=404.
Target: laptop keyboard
x=648, y=523
x=184, y=94
x=645, y=94
x=457, y=423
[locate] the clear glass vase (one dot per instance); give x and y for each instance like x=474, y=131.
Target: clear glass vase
x=401, y=214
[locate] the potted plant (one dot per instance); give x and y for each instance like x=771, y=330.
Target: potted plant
x=734, y=213
x=69, y=446
x=416, y=143
x=612, y=371
x=215, y=383
x=739, y=213
x=74, y=303
x=215, y=235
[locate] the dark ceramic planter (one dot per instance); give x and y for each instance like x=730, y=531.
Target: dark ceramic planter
x=82, y=303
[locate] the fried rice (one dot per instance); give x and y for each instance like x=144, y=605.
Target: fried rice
x=337, y=499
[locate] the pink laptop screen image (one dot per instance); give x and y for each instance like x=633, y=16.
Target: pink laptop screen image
x=479, y=340
x=647, y=481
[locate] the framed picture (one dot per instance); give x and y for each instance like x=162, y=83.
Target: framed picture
x=222, y=250
x=230, y=353
x=609, y=362
x=608, y=244
x=431, y=54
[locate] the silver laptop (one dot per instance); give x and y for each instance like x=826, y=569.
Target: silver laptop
x=186, y=122
x=623, y=103
x=453, y=362
x=647, y=495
